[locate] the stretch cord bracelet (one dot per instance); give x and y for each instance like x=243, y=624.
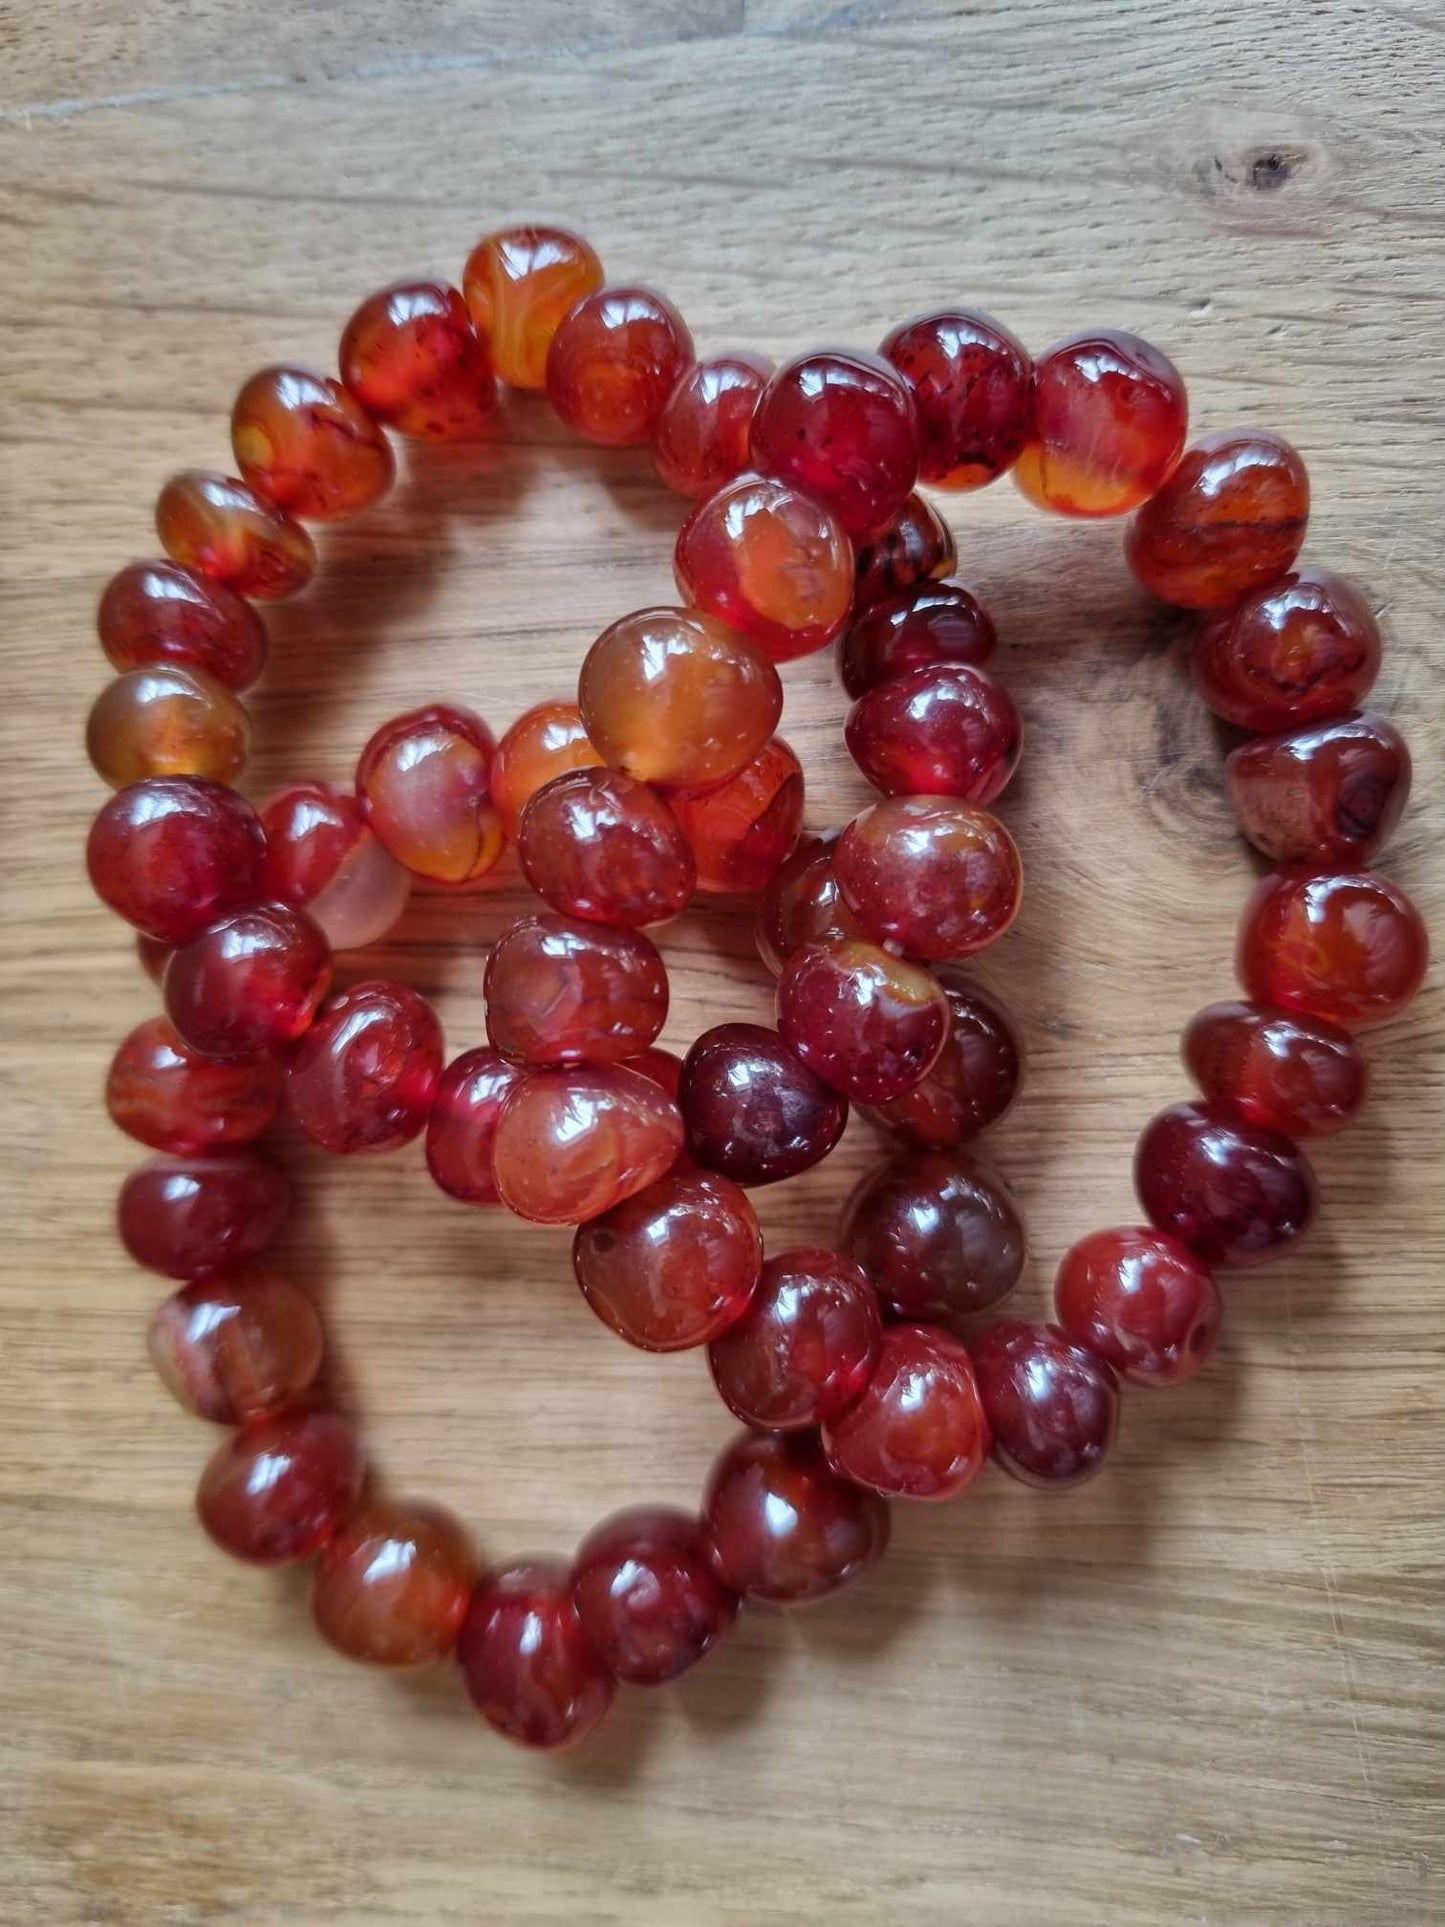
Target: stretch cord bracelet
x=663, y=778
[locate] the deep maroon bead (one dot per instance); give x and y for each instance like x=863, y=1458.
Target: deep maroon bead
x=1052, y=1405
x=173, y=853
x=526, y=1664
x=1140, y=1300
x=803, y=904
x=1295, y=1074
x=973, y=386
x=975, y=1078
x=364, y=1075
x=912, y=547
x=782, y=1526
x=1328, y=794
x=753, y=1109
x=942, y=730
x=201, y=1217
x=804, y=1348
x=250, y=982
x=604, y=847
x=463, y=1123
x=646, y=1595
x=939, y=1236
x=1232, y=1191
x=840, y=425
x=938, y=622
x=918, y=1429
x=274, y=1492
x=869, y=1023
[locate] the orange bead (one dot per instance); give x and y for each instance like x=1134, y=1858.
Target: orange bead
x=743, y=830
x=413, y=360
x=425, y=780
x=1349, y=947
x=307, y=445
x=167, y=720
x=613, y=362
x=520, y=284
x=393, y=1586
x=701, y=437
x=223, y=530
x=572, y=1143
x=769, y=561
x=544, y=742
x=1109, y=419
x=1229, y=519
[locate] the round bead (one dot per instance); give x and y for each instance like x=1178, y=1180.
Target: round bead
x=277, y=1490
x=913, y=547
x=753, y=1109
x=520, y=284
x=647, y=1598
x=173, y=853
x=250, y=982
x=1109, y=419
x=974, y=1079
x=306, y=445
x=167, y=1096
x=866, y=1022
x=425, y=782
x=1326, y=794
x=1349, y=948
x=155, y=612
x=769, y=561
x=602, y=846
x=841, y=426
x=462, y=1128
x=526, y=1664
x=938, y=622
x=803, y=904
x=942, y=730
x=1052, y=1405
x=229, y=1349
x=613, y=363
x=201, y=1217
x=413, y=360
x=1229, y=519
x=782, y=1527
x=931, y=876
x=740, y=832
x=570, y=1144
x=700, y=440
x=1234, y=1192
x=222, y=529
x=1141, y=1301
x=545, y=742
x=364, y=1075
x=661, y=1067
x=167, y=720
x=804, y=1347
x=323, y=857
x=973, y=387
x=1294, y=651
x=939, y=1236
x=1299, y=1075
x=562, y=992
x=392, y=1587
x=152, y=956
x=918, y=1430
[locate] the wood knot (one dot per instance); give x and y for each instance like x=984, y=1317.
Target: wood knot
x=1259, y=168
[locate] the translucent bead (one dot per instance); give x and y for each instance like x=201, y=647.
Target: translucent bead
x=155, y=612
x=424, y=780
x=1349, y=948
x=865, y=1021
x=562, y=992
x=973, y=387
x=938, y=1235
x=1110, y=415
x=364, y=1075
x=613, y=363
x=782, y=1527
x=937, y=622
x=152, y=956
x=1234, y=1192
x=413, y=360
x=462, y=1128
x=975, y=1078
x=168, y=1097
x=277, y=1490
x=1295, y=651
x=700, y=440
x=917, y=1431
x=913, y=547
x=804, y=1347
x=803, y=905
x=546, y=741
x=172, y=853
x=1326, y=794
x=201, y=1217
x=392, y=1587
x=222, y=529
x=305, y=444
x=520, y=283
x=647, y=1598
x=572, y=1143
x=943, y=730
x=229, y=1349
x=248, y=983
x=1231, y=518
x=740, y=832
x=841, y=426
x=1052, y=1405
x=768, y=561
x=1141, y=1301
x=1299, y=1075
x=753, y=1109
x=526, y=1664
x=933, y=877
x=167, y=720
x=322, y=857
x=602, y=846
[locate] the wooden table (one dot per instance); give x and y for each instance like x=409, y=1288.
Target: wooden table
x=1206, y=1688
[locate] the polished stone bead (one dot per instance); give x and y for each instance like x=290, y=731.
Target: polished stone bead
x=167, y=720
x=974, y=1079
x=306, y=445
x=1296, y=1074
x=973, y=387
x=937, y=622
x=913, y=547
x=782, y=1527
x=528, y=1668
x=462, y=1128
x=1351, y=948
x=152, y=956
x=425, y=782
x=1328, y=794
x=1236, y=1193
x=414, y=361
x=941, y=730
x=1110, y=413
x=216, y=526
x=769, y=561
x=646, y=1595
x=545, y=741
x=563, y=992
x=1141, y=1301
x=229, y=1349
x=602, y=846
x=171, y=1098
x=938, y=1235
x=572, y=1143
x=520, y=284
x=156, y=612
x=392, y=1587
x=249, y=983
x=753, y=1109
x=803, y=905
x=742, y=831
x=917, y=1431
x=803, y=1348
x=1294, y=651
x=364, y=1075
x=1229, y=519
x=173, y=853
x=323, y=857
x=929, y=876
x=841, y=425
x=613, y=363
x=276, y=1491
x=700, y=440
x=1052, y=1405
x=867, y=1022
x=201, y=1216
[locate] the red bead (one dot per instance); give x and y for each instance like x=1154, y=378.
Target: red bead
x=918, y=1430
x=1052, y=1405
x=173, y=853
x=768, y=561
x=218, y=527
x=1229, y=519
x=152, y=956
x=201, y=1217
x=973, y=387
x=803, y=904
x=803, y=1349
x=930, y=876
x=602, y=846
x=782, y=1527
x=674, y=1265
x=975, y=1078
x=1110, y=414
x=1328, y=794
x=250, y=982
x=546, y=741
x=392, y=1587
x=937, y=622
x=462, y=1128
x=560, y=992
x=306, y=445
x=520, y=285
x=938, y=1235
x=167, y=719
x=841, y=425
x=156, y=612
x=425, y=782
x=1234, y=1192
x=229, y=1349
x=323, y=857
x=572, y=1143
x=277, y=1490
x=1351, y=949
x=700, y=439
x=1141, y=1301
x=413, y=360
x=1298, y=1075
x=613, y=363
x=526, y=1664
x=661, y=1067
x=364, y=1075
x=913, y=547
x=1294, y=651
x=753, y=1109
x=647, y=1598
x=943, y=730
x=167, y=1096
x=866, y=1022
x=740, y=832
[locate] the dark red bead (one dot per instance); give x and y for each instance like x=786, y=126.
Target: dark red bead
x=160, y=612
x=604, y=847
x=943, y=730
x=803, y=904
x=914, y=546
x=1052, y=1405
x=413, y=359
x=1234, y=1192
x=1230, y=518
x=865, y=1021
x=201, y=1217
x=1350, y=948
x=973, y=386
x=1295, y=651
x=526, y=1664
x=1299, y=1075
x=700, y=440
x=753, y=1109
x=803, y=1349
x=564, y=992
x=938, y=622
x=1328, y=794
x=571, y=1143
x=463, y=1123
x=647, y=1597
x=250, y=982
x=973, y=1081
x=1141, y=1301
x=392, y=1587
x=840, y=425
x=274, y=1492
x=364, y=1075
x=782, y=1526
x=918, y=1430
x=229, y=1349
x=173, y=1099
x=173, y=853
x=929, y=875
x=939, y=1236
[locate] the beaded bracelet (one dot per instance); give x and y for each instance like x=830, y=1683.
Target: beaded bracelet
x=664, y=778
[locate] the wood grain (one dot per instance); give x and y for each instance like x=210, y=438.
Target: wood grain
x=1208, y=1687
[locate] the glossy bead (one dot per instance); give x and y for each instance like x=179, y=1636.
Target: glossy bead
x=250, y=982
x=167, y=1096
x=1295, y=651
x=938, y=1235
x=674, y=1265
x=462, y=1128
x=1052, y=1405
x=973, y=387
x=570, y=1144
x=753, y=1109
x=740, y=832
x=1229, y=519
x=1351, y=949
x=613, y=363
x=805, y=1345
x=913, y=547
x=413, y=360
x=768, y=561
x=167, y=720
x=305, y=444
x=544, y=742
x=392, y=1587
x=917, y=1431
x=602, y=846
x=660, y=1067
x=424, y=780
x=975, y=1078
x=526, y=1664
x=937, y=622
x=1234, y=1192
x=866, y=1022
x=943, y=730
x=934, y=877
x=229, y=1349
x=201, y=1217
x=364, y=1075
x=1109, y=419
x=1326, y=794
x=700, y=439
x=676, y=698
x=1141, y=1301
x=1298, y=1075
x=562, y=992
x=152, y=956
x=782, y=1527
x=275, y=1492
x=323, y=857
x=155, y=612
x=840, y=425
x=646, y=1595
x=803, y=904
x=222, y=529
x=172, y=853
x=520, y=284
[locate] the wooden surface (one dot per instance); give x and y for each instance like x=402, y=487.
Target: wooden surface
x=1205, y=1689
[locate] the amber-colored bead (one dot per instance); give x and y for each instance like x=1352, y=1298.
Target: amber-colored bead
x=248, y=983
x=1052, y=1405
x=769, y=561
x=157, y=612
x=172, y=853
x=917, y=1430
x=741, y=831
x=647, y=1597
x=364, y=1075
x=1295, y=651
x=229, y=1349
x=1141, y=1301
x=938, y=1235
x=613, y=363
x=305, y=444
x=804, y=1346
x=425, y=782
x=676, y=698
x=323, y=857
x=973, y=387
x=943, y=730
x=201, y=1217
x=803, y=904
x=545, y=741
x=413, y=360
x=976, y=1076
x=222, y=529
x=1110, y=414
x=1349, y=948
x=1230, y=518
x=700, y=440
x=753, y=1109
x=935, y=877
x=782, y=1527
x=167, y=720
x=526, y=1664
x=392, y=1587
x=1234, y=1192
x=572, y=1143
x=866, y=1022
x=462, y=1128
x=915, y=546
x=938, y=622
x=520, y=284
x=1299, y=1074
x=840, y=424
x=277, y=1490
x=562, y=992
x=1328, y=794
x=602, y=846
x=167, y=1096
